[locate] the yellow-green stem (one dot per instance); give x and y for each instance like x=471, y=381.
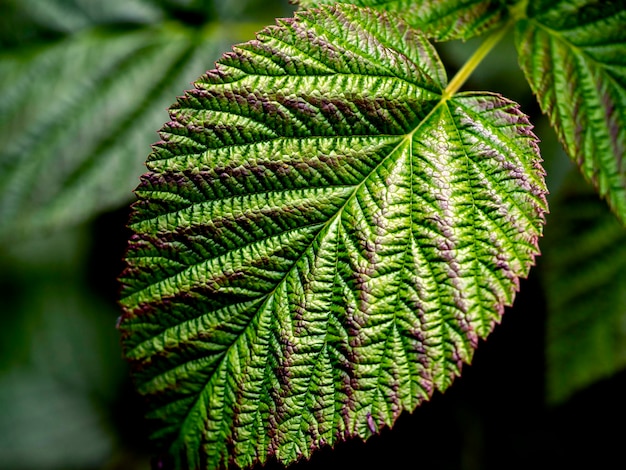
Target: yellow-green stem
x=462, y=75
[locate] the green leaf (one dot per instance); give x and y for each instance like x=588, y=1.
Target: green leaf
x=321, y=240
x=585, y=282
x=441, y=20
x=68, y=16
x=32, y=20
x=574, y=56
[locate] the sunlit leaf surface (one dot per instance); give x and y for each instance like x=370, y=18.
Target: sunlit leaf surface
x=322, y=239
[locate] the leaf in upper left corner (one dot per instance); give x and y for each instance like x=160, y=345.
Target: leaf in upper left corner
x=78, y=111
x=573, y=54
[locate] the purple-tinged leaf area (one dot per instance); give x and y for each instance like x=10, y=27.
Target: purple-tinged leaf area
x=585, y=284
x=321, y=240
x=441, y=20
x=574, y=56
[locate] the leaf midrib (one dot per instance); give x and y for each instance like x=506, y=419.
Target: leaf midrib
x=304, y=251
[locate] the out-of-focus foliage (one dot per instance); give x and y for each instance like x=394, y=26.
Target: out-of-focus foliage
x=81, y=99
x=58, y=370
x=585, y=283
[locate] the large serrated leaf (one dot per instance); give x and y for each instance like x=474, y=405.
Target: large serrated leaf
x=574, y=56
x=585, y=280
x=321, y=240
x=442, y=20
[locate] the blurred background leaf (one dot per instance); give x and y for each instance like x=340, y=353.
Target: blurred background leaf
x=81, y=100
x=59, y=372
x=585, y=282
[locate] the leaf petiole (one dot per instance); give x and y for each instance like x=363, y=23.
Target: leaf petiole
x=474, y=61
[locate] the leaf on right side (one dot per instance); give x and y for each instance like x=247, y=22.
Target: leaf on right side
x=585, y=280
x=573, y=54
x=441, y=20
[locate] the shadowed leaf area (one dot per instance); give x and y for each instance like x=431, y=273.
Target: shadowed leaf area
x=585, y=282
x=321, y=240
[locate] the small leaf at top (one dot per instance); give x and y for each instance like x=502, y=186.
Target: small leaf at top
x=441, y=20
x=574, y=56
x=321, y=240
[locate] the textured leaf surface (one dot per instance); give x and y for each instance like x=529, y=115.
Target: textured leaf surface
x=442, y=20
x=321, y=240
x=574, y=56
x=585, y=279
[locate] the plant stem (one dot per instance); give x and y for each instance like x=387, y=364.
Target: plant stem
x=462, y=75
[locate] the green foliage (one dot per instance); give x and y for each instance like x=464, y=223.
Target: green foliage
x=327, y=228
x=58, y=373
x=329, y=235
x=441, y=20
x=86, y=125
x=585, y=278
x=573, y=56
x=84, y=85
